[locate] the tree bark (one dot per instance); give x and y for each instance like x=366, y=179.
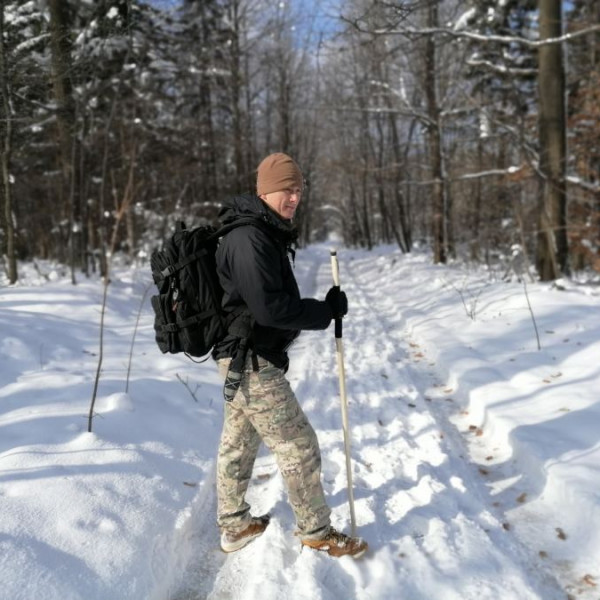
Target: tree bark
x=435, y=141
x=65, y=118
x=5, y=157
x=552, y=250
x=236, y=93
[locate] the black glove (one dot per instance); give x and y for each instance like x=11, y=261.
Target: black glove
x=337, y=302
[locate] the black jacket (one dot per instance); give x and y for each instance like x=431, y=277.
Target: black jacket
x=254, y=270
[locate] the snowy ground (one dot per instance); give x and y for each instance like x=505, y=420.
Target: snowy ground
x=476, y=456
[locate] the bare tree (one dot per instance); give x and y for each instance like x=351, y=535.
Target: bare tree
x=62, y=87
x=552, y=251
x=6, y=122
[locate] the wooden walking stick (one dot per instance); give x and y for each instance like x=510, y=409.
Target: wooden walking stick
x=339, y=348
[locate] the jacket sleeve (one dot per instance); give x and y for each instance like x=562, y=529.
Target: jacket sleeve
x=256, y=271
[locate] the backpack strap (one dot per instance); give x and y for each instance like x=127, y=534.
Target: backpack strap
x=223, y=230
x=160, y=275
x=199, y=318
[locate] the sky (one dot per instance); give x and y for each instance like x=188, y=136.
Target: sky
x=475, y=455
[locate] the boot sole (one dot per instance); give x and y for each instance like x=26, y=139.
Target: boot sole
x=355, y=556
x=233, y=547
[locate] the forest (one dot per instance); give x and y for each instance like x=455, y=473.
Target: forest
x=468, y=128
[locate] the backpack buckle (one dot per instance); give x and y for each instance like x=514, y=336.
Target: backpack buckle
x=168, y=271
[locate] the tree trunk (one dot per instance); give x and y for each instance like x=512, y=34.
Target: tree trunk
x=236, y=93
x=435, y=142
x=5, y=155
x=404, y=235
x=552, y=251
x=65, y=119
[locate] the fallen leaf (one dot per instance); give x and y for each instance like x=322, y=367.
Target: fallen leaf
x=418, y=355
x=522, y=497
x=472, y=427
x=427, y=399
x=555, y=375
x=264, y=476
x=543, y=554
x=384, y=375
x=190, y=484
x=479, y=432
x=564, y=409
x=449, y=400
x=589, y=579
x=380, y=422
x=506, y=526
x=448, y=391
x=483, y=471
x=464, y=412
x=412, y=405
x=413, y=345
x=560, y=534
x=546, y=381
x=489, y=458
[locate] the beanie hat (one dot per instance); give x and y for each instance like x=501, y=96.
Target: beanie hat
x=277, y=172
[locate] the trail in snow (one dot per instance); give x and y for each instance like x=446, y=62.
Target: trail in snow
x=430, y=522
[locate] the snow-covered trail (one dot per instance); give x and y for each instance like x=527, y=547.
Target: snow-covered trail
x=432, y=526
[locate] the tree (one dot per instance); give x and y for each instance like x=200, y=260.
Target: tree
x=66, y=119
x=6, y=120
x=552, y=251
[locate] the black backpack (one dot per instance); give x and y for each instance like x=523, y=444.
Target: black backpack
x=187, y=310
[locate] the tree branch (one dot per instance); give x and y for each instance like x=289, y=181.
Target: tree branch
x=479, y=37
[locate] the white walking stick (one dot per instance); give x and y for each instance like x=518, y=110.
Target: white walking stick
x=342, y=375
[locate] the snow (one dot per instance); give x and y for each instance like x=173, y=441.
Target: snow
x=463, y=21
x=475, y=456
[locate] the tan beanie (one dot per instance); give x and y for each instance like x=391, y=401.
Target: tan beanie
x=277, y=172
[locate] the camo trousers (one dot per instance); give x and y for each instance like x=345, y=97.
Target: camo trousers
x=265, y=408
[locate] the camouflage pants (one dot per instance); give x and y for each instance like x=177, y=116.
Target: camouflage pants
x=265, y=408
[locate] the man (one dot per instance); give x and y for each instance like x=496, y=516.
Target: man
x=255, y=272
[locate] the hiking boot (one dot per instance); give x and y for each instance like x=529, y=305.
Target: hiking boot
x=230, y=541
x=338, y=544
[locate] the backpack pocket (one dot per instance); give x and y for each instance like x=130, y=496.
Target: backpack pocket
x=198, y=331
x=166, y=331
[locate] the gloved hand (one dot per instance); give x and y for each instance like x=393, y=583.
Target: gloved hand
x=337, y=301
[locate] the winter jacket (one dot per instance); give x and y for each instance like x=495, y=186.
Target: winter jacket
x=254, y=270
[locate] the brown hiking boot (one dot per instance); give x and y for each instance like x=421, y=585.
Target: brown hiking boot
x=338, y=544
x=230, y=542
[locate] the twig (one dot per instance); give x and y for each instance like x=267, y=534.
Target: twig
x=100, y=354
x=471, y=308
x=537, y=335
x=137, y=321
x=187, y=387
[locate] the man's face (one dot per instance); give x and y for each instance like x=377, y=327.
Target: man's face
x=285, y=202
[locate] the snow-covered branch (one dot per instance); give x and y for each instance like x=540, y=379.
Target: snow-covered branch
x=501, y=68
x=480, y=37
x=585, y=185
x=512, y=171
